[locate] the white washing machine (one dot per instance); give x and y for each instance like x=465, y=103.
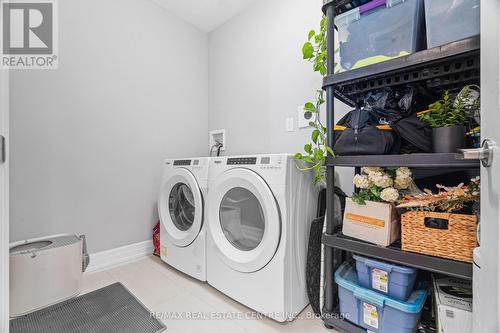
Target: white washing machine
x=259, y=210
x=181, y=210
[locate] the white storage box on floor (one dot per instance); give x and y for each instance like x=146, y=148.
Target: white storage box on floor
x=45, y=271
x=453, y=302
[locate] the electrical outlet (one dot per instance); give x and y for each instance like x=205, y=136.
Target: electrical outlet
x=304, y=117
x=289, y=124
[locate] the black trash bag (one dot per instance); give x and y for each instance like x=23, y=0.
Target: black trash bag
x=391, y=105
x=362, y=137
x=406, y=101
x=378, y=98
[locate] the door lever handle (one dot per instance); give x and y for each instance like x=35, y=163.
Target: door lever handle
x=3, y=150
x=484, y=154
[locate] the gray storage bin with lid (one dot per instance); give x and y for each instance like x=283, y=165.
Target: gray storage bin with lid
x=379, y=30
x=374, y=311
x=392, y=280
x=451, y=20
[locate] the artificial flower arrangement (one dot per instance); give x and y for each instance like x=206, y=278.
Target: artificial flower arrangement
x=448, y=199
x=381, y=184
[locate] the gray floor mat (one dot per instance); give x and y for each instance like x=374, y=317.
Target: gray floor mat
x=111, y=309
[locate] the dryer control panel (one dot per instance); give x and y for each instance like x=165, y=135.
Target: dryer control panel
x=263, y=162
x=242, y=161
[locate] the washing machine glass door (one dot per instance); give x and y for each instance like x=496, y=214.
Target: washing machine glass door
x=180, y=207
x=244, y=219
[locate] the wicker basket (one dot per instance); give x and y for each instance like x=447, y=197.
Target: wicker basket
x=455, y=240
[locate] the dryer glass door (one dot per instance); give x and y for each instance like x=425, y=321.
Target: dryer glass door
x=180, y=207
x=244, y=219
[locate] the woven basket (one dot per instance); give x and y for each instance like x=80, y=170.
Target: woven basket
x=456, y=242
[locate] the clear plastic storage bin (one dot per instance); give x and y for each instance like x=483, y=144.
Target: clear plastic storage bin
x=377, y=31
x=374, y=311
x=451, y=20
x=392, y=280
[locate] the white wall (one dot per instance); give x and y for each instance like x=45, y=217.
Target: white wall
x=258, y=78
x=88, y=139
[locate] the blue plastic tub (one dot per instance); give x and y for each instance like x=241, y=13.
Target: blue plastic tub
x=374, y=311
x=389, y=279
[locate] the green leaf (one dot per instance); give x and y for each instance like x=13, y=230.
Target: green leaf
x=315, y=135
x=308, y=51
x=358, y=198
x=330, y=150
x=319, y=154
x=323, y=23
x=322, y=70
x=309, y=107
x=307, y=159
x=311, y=34
x=317, y=67
x=298, y=156
x=308, y=148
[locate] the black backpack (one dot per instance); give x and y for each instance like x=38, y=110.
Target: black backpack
x=360, y=133
x=415, y=135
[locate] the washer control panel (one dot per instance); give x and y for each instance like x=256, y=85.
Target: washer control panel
x=195, y=164
x=182, y=162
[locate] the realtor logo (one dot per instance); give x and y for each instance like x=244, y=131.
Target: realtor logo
x=29, y=34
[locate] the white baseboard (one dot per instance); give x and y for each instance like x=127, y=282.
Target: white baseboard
x=100, y=261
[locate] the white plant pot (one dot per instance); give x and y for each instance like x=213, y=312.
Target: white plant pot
x=375, y=222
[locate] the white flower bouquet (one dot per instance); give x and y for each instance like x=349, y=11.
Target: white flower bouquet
x=381, y=184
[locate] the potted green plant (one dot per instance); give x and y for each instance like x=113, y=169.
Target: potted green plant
x=314, y=155
x=448, y=118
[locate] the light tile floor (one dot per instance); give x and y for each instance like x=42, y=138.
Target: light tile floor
x=164, y=290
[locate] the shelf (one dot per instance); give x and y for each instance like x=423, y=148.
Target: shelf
x=394, y=254
x=335, y=320
x=450, y=66
x=408, y=160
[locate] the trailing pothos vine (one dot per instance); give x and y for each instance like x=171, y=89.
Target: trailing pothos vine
x=315, y=152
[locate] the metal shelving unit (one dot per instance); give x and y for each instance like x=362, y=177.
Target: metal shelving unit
x=445, y=67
